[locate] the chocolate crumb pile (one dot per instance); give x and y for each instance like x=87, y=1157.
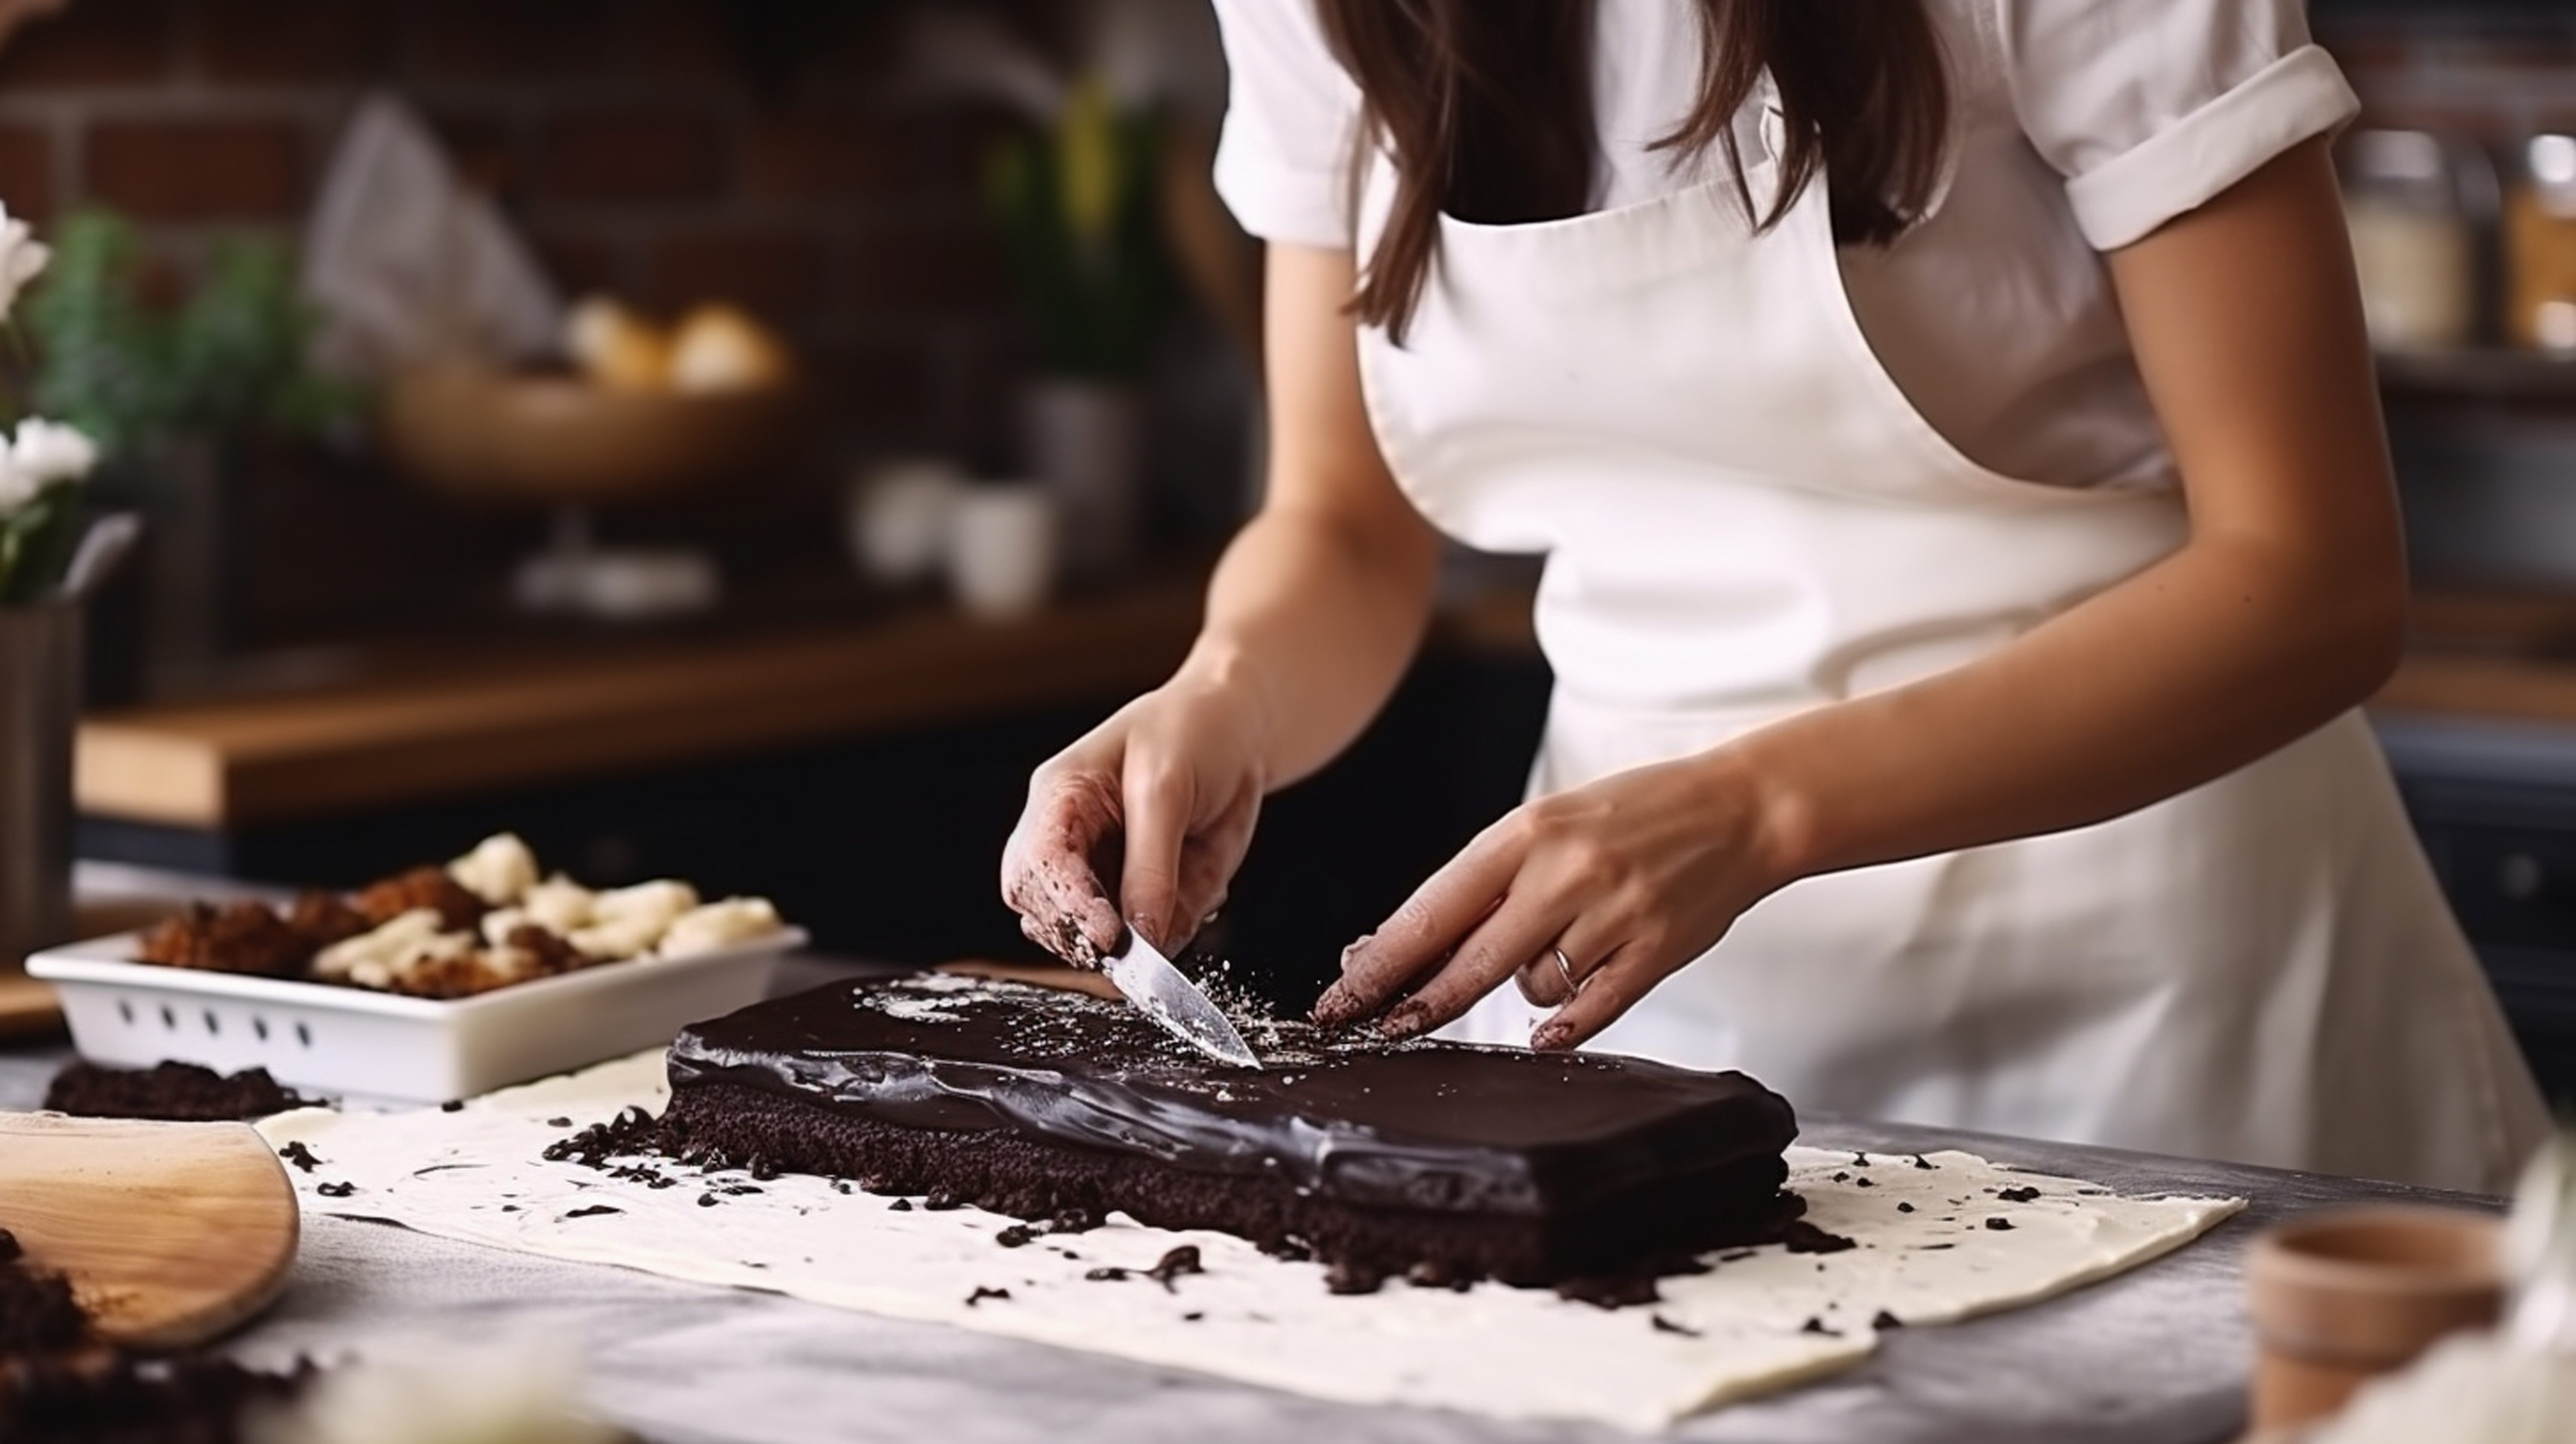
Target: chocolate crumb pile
x=57, y=1386
x=37, y=1314
x=173, y=1092
x=120, y=1399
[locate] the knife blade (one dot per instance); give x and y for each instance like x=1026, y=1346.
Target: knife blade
x=1163, y=993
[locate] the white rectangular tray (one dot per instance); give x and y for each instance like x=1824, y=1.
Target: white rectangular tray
x=388, y=1045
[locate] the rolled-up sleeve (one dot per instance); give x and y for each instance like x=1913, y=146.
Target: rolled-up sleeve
x=2151, y=108
x=1283, y=159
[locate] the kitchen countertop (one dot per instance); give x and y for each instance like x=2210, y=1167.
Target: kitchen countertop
x=2158, y=1356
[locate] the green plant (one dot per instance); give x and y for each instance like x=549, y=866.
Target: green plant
x=228, y=358
x=1077, y=213
x=36, y=539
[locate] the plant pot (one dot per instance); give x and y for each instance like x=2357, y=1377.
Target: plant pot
x=2343, y=1296
x=39, y=706
x=1083, y=441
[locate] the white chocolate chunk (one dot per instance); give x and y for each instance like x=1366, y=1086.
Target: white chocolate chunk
x=619, y=938
x=395, y=969
x=499, y=870
x=499, y=923
x=719, y=925
x=390, y=943
x=559, y=905
x=626, y=922
x=661, y=900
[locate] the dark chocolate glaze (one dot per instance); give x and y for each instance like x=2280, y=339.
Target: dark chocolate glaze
x=1425, y=1125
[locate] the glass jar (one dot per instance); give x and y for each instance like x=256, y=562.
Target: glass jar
x=2540, y=246
x=2413, y=243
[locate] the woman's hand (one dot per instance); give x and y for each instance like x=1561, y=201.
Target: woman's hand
x=1630, y=877
x=1160, y=799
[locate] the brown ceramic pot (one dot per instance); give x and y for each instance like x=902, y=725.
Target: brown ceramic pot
x=2344, y=1295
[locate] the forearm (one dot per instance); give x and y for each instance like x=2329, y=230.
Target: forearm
x=2284, y=608
x=1314, y=618
x=2205, y=662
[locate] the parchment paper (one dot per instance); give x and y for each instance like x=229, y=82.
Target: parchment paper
x=1759, y=1320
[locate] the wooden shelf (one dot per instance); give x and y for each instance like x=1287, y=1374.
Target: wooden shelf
x=410, y=733
x=2487, y=687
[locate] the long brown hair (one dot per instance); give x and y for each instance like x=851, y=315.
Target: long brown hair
x=1487, y=107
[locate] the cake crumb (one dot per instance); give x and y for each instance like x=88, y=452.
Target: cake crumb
x=1801, y=1236
x=1347, y=1276
x=2019, y=1195
x=1179, y=1261
x=1618, y=1292
x=1667, y=1326
x=982, y=1294
x=1885, y=1320
x=301, y=1156
x=1999, y=1225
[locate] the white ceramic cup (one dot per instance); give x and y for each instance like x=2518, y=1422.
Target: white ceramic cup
x=899, y=518
x=1002, y=549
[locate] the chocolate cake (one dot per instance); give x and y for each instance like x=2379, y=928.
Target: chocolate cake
x=1436, y=1161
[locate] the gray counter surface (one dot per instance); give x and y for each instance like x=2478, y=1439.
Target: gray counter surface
x=2158, y=1356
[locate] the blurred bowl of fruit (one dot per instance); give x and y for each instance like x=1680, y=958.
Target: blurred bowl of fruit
x=642, y=413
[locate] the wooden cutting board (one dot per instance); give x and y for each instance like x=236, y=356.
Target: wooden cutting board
x=171, y=1233
x=27, y=1007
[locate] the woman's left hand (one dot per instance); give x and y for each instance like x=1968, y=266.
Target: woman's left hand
x=1629, y=878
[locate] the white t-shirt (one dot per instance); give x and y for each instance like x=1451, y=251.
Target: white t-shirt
x=2079, y=127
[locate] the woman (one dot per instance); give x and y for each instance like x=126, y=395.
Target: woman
x=1969, y=530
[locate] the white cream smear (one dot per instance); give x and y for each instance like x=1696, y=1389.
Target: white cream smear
x=1741, y=1329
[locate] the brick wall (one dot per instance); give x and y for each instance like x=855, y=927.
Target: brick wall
x=669, y=150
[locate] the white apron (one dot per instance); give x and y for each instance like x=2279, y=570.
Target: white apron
x=1744, y=517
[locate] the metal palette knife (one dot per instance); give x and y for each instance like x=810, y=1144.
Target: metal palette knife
x=1161, y=992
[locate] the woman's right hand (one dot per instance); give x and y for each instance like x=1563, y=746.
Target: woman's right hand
x=1159, y=802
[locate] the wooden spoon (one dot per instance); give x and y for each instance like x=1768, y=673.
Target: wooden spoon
x=171, y=1233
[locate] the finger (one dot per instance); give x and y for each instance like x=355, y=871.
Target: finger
x=1050, y=845
x=1198, y=914
x=1546, y=981
x=1209, y=860
x=1047, y=874
x=1158, y=819
x=1491, y=954
x=1607, y=992
x=1585, y=945
x=1424, y=930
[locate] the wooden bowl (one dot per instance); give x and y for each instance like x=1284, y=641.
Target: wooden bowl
x=560, y=440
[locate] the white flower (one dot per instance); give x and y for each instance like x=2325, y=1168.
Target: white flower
x=49, y=451
x=22, y=259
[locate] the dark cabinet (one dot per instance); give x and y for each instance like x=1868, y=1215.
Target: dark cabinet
x=2496, y=807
